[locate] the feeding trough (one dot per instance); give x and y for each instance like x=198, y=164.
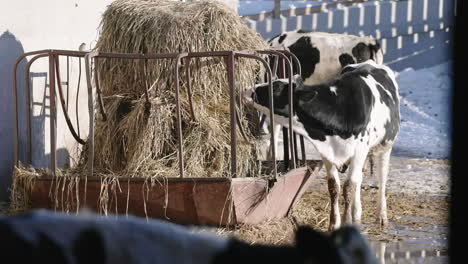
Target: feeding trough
x=186, y=200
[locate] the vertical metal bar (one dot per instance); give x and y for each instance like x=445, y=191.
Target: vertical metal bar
x=52, y=115
x=292, y=135
x=28, y=112
x=27, y=76
x=189, y=87
x=98, y=90
x=231, y=68
x=143, y=64
x=68, y=81
x=298, y=71
x=91, y=115
x=179, y=116
x=15, y=110
x=272, y=125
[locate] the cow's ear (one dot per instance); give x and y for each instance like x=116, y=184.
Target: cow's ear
x=361, y=52
x=89, y=247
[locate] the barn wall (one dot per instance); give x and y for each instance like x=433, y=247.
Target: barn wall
x=414, y=33
x=34, y=25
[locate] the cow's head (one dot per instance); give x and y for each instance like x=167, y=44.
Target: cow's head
x=368, y=51
x=259, y=95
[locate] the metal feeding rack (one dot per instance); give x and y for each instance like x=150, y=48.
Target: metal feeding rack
x=214, y=201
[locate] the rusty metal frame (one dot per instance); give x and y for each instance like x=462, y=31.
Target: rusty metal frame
x=53, y=55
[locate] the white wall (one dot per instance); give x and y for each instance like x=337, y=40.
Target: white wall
x=28, y=25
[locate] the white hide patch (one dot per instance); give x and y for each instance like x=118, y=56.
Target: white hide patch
x=333, y=90
x=380, y=113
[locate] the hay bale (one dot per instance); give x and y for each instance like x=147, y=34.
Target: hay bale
x=141, y=140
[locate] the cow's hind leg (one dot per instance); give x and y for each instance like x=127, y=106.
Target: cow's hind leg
x=352, y=190
x=334, y=190
x=383, y=164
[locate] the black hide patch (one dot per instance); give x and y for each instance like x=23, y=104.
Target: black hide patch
x=280, y=97
x=302, y=31
x=345, y=113
x=307, y=54
x=39, y=248
x=375, y=49
x=341, y=107
x=346, y=59
x=241, y=252
x=362, y=52
x=386, y=86
x=281, y=39
x=89, y=247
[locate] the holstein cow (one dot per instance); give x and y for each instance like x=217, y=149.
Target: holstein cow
x=49, y=237
x=344, y=119
x=323, y=55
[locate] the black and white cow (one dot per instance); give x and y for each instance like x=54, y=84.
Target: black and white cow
x=345, y=119
x=323, y=55
x=49, y=237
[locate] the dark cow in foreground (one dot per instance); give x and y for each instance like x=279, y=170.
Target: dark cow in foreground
x=48, y=237
x=323, y=55
x=345, y=119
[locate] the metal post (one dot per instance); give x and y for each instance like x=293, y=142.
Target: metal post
x=231, y=67
x=91, y=114
x=53, y=114
x=179, y=116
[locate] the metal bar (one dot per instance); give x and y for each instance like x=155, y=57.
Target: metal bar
x=231, y=68
x=68, y=81
x=145, y=79
x=189, y=88
x=62, y=102
x=299, y=72
x=77, y=97
x=28, y=103
x=178, y=113
x=98, y=89
x=270, y=94
x=88, y=57
x=292, y=146
x=53, y=115
x=15, y=103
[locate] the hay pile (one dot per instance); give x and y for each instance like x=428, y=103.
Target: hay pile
x=141, y=140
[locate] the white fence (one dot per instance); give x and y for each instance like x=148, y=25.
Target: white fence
x=413, y=33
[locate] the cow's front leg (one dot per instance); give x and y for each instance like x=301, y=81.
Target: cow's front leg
x=334, y=190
